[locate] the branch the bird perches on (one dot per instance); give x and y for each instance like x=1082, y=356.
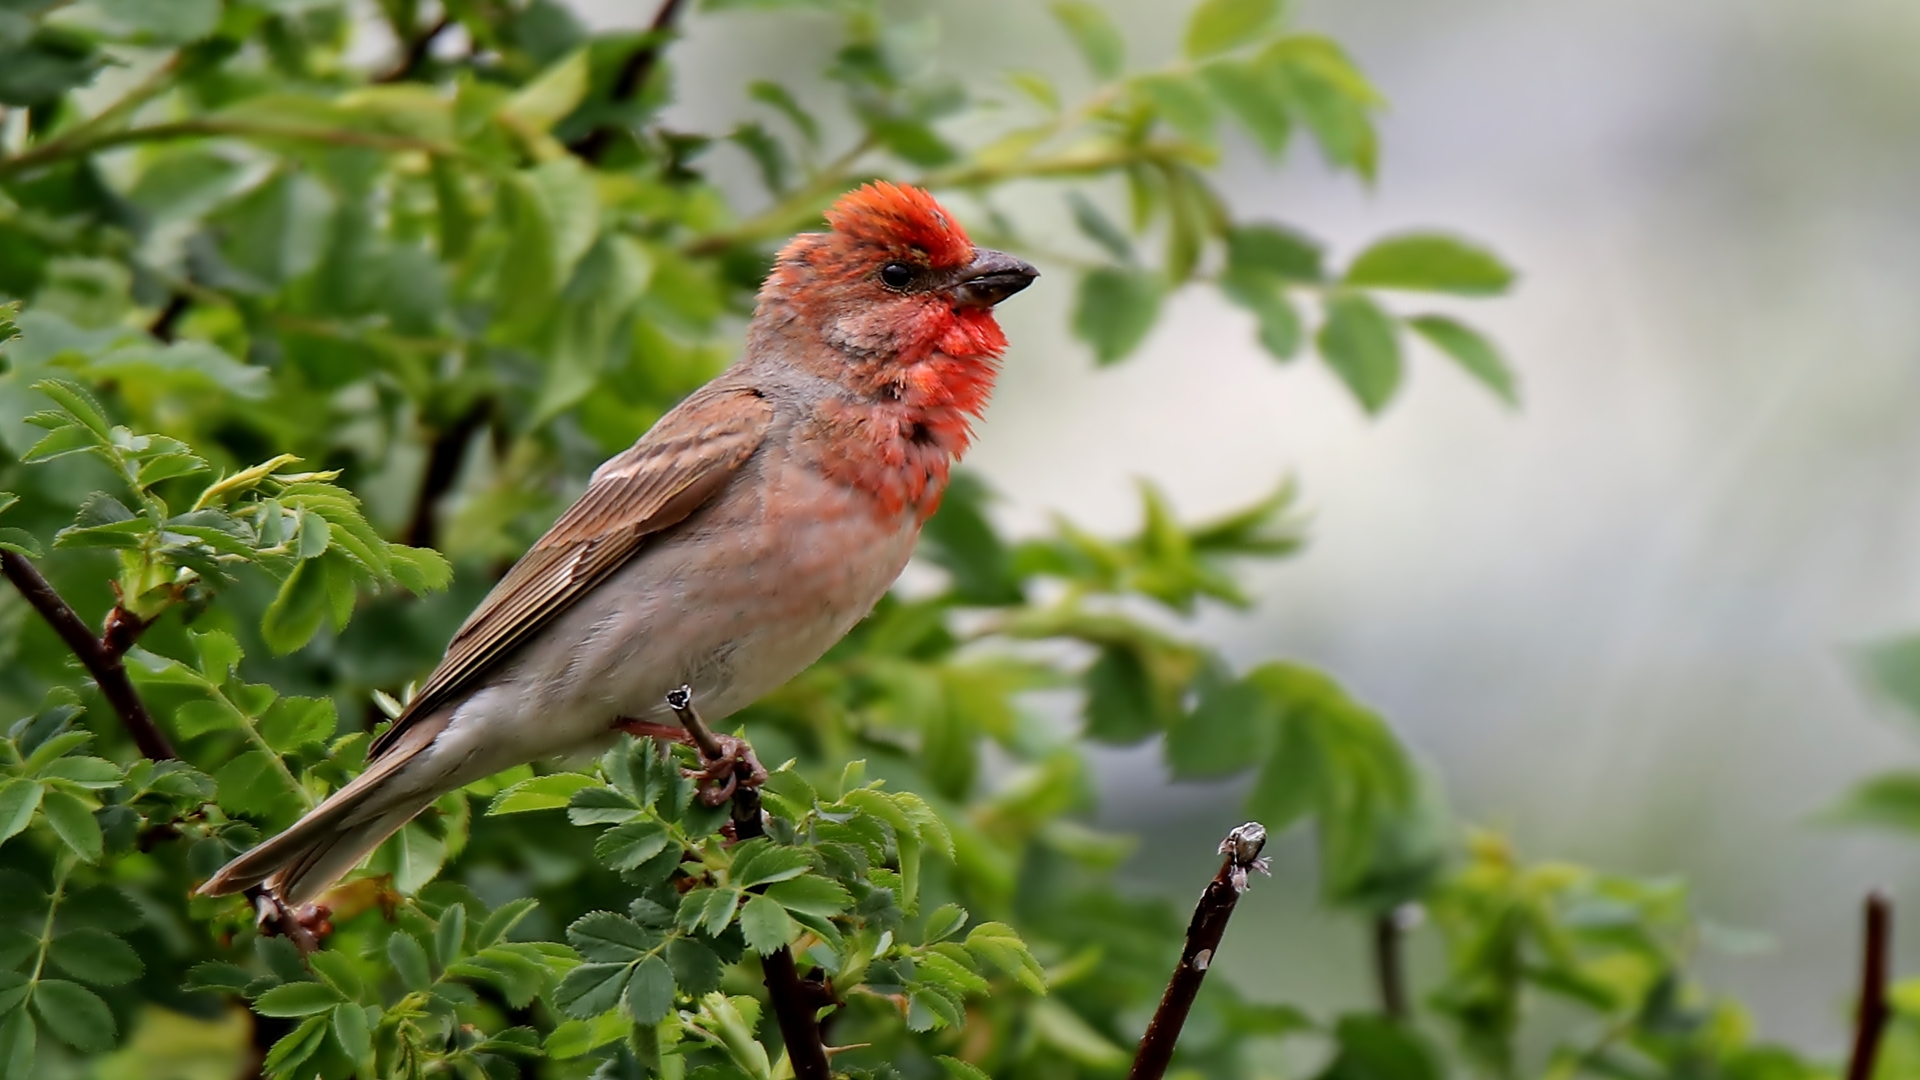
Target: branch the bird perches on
x=732, y=772
x=1242, y=850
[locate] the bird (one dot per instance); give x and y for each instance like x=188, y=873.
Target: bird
x=728, y=549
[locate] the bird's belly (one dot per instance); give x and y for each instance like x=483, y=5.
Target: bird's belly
x=732, y=608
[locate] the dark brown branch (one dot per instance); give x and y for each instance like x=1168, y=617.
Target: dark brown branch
x=169, y=317
x=631, y=78
x=448, y=449
x=416, y=54
x=796, y=1003
x=101, y=657
x=1876, y=947
x=1389, y=963
x=1242, y=850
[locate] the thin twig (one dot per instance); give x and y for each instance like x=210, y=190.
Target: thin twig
x=631, y=79
x=416, y=53
x=448, y=450
x=796, y=1004
x=1876, y=947
x=1389, y=964
x=1242, y=850
x=101, y=657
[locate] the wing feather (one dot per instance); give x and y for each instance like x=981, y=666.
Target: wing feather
x=672, y=471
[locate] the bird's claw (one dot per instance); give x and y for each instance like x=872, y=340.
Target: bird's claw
x=304, y=926
x=718, y=778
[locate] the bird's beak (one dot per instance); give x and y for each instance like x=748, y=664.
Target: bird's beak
x=990, y=278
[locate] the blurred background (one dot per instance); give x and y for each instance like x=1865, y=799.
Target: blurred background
x=1620, y=620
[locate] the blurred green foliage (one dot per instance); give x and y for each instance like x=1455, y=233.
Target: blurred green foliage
x=290, y=326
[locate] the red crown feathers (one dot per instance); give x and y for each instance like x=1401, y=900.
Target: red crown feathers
x=902, y=218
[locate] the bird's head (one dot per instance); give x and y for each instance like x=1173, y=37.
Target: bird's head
x=895, y=283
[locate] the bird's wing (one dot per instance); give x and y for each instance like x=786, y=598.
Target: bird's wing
x=672, y=471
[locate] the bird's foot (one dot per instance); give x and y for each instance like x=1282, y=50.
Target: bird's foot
x=718, y=777
x=304, y=926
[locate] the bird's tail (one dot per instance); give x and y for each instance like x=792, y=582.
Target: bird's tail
x=314, y=852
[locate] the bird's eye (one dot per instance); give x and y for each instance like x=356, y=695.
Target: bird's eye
x=896, y=275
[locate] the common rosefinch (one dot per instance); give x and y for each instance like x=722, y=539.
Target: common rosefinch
x=727, y=549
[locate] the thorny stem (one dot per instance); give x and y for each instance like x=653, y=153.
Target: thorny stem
x=1875, y=949
x=102, y=657
x=1242, y=850
x=631, y=78
x=795, y=1004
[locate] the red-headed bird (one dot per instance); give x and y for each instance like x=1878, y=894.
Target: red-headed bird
x=728, y=549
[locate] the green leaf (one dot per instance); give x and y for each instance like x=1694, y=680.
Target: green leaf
x=75, y=1015
x=1256, y=98
x=945, y=921
x=1893, y=668
x=1099, y=227
x=811, y=895
x=553, y=94
x=709, y=911
x=293, y=722
x=1115, y=309
x=697, y=968
x=1470, y=350
x=77, y=403
x=1430, y=262
x=420, y=570
x=293, y=1050
x=350, y=1031
x=1229, y=729
x=650, y=991
x=765, y=925
x=761, y=863
x=1096, y=37
x=551, y=792
x=16, y=1039
x=295, y=614
x=253, y=783
x=502, y=920
x=1359, y=343
x=18, y=800
x=1182, y=102
x=607, y=938
x=624, y=847
x=175, y=22
x=20, y=542
x=1332, y=96
x=997, y=944
x=74, y=823
x=217, y=975
x=95, y=956
x=1888, y=801
x=297, y=999
x=450, y=936
x=591, y=989
x=1375, y=1046
x=1274, y=250
x=1219, y=25
x=409, y=961
x=335, y=969
x=959, y=1070
x=1264, y=296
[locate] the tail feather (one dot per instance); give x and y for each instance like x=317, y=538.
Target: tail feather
x=301, y=862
